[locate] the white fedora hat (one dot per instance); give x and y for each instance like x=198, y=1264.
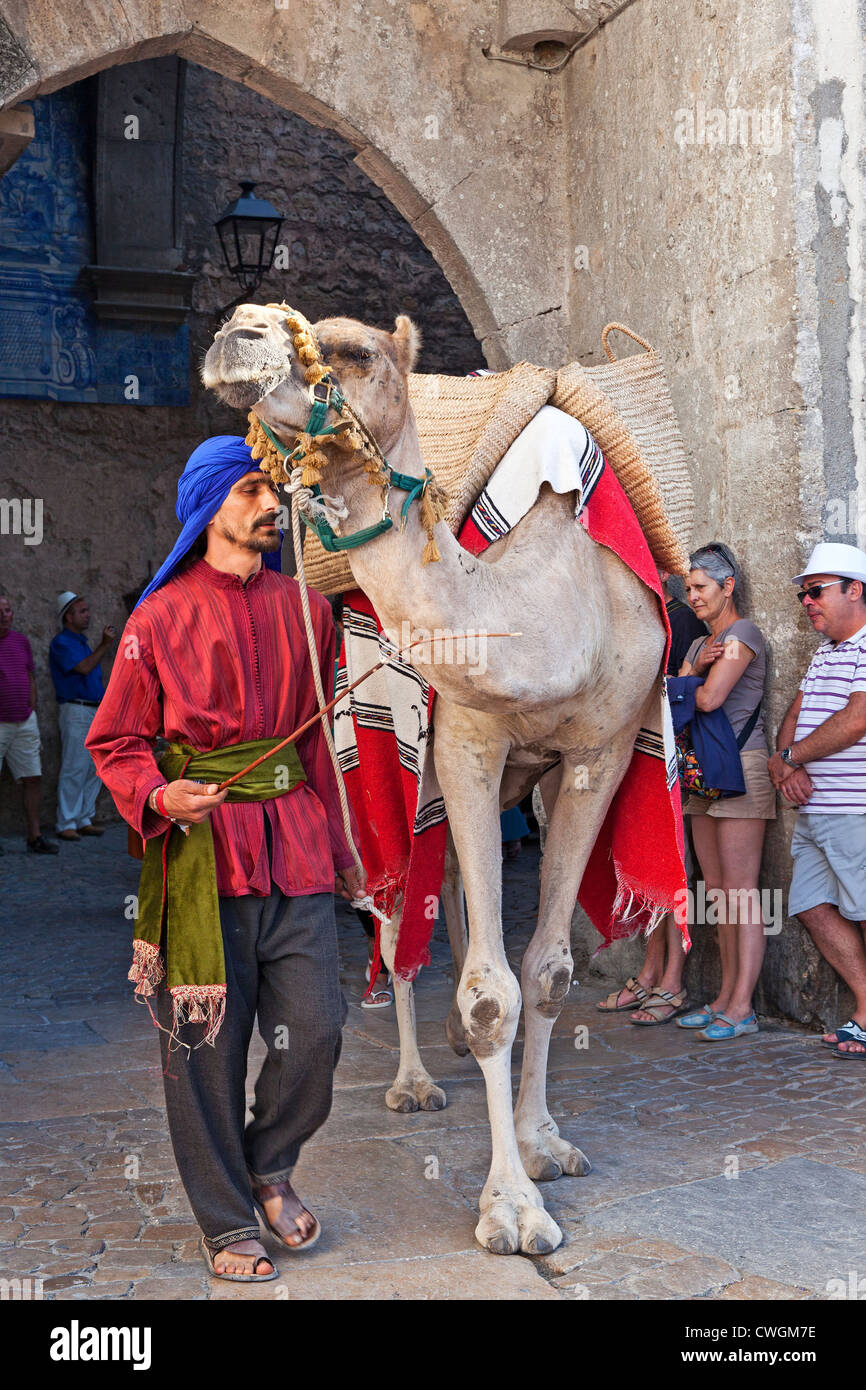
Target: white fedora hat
x=830, y=558
x=63, y=602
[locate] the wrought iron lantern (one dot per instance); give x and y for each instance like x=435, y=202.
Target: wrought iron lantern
x=248, y=232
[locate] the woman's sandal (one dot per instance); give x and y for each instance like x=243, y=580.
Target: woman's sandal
x=701, y=1018
x=605, y=1006
x=240, y=1278
x=658, y=1000
x=278, y=1189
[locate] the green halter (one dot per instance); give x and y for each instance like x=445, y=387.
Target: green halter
x=413, y=487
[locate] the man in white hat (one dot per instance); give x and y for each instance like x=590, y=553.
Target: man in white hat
x=78, y=684
x=820, y=766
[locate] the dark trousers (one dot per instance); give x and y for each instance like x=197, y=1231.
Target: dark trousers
x=282, y=964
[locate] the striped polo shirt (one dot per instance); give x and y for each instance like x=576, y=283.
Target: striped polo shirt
x=834, y=673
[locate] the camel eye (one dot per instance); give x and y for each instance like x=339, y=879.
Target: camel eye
x=361, y=355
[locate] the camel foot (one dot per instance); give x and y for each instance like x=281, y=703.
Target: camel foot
x=510, y=1225
x=456, y=1033
x=418, y=1093
x=549, y=1156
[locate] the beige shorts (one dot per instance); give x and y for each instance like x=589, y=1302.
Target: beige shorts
x=19, y=746
x=759, y=803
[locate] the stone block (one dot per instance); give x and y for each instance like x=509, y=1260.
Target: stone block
x=474, y=1275
x=795, y=1222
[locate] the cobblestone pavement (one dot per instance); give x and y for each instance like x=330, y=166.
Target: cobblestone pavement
x=734, y=1171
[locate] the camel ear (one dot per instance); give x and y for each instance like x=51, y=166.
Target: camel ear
x=407, y=343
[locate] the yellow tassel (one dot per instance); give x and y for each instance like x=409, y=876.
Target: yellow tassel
x=310, y=476
x=431, y=552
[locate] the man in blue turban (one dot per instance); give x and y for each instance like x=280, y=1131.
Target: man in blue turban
x=210, y=474
x=236, y=918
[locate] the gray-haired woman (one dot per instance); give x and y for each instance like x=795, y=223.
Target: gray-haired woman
x=728, y=833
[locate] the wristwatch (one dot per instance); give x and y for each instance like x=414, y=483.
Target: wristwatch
x=785, y=755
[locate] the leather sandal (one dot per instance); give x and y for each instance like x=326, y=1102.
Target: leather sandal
x=284, y=1189
x=610, y=1006
x=253, y=1278
x=661, y=999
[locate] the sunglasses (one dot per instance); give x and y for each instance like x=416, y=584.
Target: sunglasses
x=814, y=590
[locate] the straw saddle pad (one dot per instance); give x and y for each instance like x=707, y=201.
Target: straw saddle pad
x=466, y=424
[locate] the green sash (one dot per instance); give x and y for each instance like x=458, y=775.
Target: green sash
x=178, y=886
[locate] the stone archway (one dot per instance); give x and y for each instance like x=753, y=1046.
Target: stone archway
x=467, y=150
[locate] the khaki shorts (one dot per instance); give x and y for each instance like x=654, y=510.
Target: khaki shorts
x=759, y=803
x=19, y=745
x=829, y=854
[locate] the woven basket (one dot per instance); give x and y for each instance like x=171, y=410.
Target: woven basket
x=626, y=406
x=465, y=425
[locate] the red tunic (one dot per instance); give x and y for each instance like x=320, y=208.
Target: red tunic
x=209, y=661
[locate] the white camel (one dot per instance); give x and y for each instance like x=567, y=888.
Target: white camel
x=577, y=686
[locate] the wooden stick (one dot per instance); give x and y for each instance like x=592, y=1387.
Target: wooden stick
x=302, y=728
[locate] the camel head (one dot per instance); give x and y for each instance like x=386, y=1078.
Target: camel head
x=265, y=358
x=269, y=360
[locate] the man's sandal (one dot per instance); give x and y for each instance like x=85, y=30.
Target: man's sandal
x=610, y=1005
x=847, y=1032
x=253, y=1278
x=852, y=1032
x=661, y=999
x=285, y=1189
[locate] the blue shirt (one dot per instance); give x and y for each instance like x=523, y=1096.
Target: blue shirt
x=66, y=650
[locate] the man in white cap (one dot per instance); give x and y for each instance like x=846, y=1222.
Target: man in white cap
x=820, y=766
x=78, y=684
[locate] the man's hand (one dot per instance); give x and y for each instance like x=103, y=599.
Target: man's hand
x=779, y=771
x=192, y=802
x=350, y=883
x=109, y=634
x=798, y=787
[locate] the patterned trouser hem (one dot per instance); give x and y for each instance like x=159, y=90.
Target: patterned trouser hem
x=267, y=1179
x=217, y=1243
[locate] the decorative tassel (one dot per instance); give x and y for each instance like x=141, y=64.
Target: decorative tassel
x=199, y=1004
x=147, y=969
x=263, y=451
x=431, y=552
x=433, y=502
x=310, y=476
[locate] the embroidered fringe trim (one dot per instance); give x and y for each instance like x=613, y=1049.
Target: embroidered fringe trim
x=385, y=896
x=200, y=1004
x=147, y=969
x=629, y=906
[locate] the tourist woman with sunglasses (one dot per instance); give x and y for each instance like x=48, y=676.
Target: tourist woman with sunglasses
x=728, y=833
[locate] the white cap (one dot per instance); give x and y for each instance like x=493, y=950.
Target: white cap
x=64, y=600
x=829, y=558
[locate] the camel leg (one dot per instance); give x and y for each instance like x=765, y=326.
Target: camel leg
x=455, y=921
x=414, y=1087
x=470, y=757
x=575, y=821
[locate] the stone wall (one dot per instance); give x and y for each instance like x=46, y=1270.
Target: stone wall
x=712, y=214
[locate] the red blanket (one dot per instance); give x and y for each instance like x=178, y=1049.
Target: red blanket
x=635, y=873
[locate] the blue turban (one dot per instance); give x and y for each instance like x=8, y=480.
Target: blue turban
x=210, y=474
